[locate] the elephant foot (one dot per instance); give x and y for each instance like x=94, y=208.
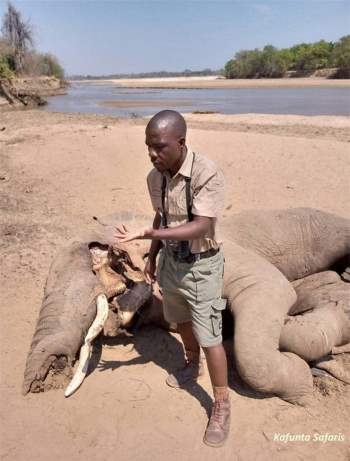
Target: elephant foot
x=334, y=367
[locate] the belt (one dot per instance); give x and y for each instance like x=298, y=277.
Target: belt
x=191, y=258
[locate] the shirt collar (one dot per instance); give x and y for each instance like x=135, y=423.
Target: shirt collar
x=186, y=168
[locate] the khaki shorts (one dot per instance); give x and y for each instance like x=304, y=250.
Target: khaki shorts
x=192, y=292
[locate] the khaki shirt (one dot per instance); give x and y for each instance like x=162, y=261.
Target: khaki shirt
x=207, y=192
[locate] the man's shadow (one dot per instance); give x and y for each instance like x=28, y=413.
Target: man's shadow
x=153, y=344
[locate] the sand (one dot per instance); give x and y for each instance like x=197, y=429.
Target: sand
x=59, y=170
x=219, y=82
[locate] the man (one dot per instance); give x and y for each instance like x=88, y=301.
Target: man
x=186, y=190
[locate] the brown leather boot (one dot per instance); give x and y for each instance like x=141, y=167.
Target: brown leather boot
x=219, y=423
x=189, y=374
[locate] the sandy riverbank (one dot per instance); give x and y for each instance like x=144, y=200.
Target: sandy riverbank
x=216, y=82
x=59, y=170
x=26, y=92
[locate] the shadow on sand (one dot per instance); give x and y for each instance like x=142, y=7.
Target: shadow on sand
x=165, y=350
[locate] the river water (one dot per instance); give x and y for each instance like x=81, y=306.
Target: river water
x=130, y=102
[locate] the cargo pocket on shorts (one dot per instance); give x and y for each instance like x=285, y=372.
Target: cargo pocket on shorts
x=217, y=307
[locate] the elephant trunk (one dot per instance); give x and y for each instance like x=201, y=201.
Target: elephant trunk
x=67, y=311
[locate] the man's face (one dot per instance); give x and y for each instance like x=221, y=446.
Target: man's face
x=164, y=148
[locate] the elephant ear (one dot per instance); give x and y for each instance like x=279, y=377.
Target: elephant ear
x=103, y=230
x=260, y=297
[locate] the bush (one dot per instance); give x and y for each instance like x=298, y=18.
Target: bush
x=273, y=63
x=7, y=60
x=304, y=57
x=5, y=69
x=270, y=62
x=314, y=56
x=245, y=65
x=341, y=53
x=50, y=66
x=37, y=64
x=16, y=53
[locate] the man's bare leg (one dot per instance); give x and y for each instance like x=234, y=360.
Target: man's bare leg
x=189, y=341
x=219, y=424
x=217, y=365
x=194, y=366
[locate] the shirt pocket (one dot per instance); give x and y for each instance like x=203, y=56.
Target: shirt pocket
x=177, y=200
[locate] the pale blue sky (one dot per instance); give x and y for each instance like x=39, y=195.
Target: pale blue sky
x=102, y=37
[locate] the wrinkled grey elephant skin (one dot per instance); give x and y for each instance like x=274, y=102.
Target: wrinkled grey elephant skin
x=265, y=250
x=67, y=311
x=288, y=308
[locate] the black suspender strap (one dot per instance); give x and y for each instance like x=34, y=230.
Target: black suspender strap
x=188, y=198
x=164, y=218
x=188, y=194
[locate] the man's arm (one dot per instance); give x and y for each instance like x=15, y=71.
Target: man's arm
x=156, y=244
x=188, y=231
x=150, y=267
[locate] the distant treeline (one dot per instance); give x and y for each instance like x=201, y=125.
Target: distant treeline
x=162, y=73
x=302, y=59
x=17, y=54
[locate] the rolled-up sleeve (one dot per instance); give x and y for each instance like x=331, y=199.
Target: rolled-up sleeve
x=208, y=199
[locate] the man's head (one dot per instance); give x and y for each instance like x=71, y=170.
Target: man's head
x=166, y=140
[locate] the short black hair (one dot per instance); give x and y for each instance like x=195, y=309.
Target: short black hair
x=168, y=118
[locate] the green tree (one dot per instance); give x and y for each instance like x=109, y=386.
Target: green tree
x=229, y=69
x=310, y=57
x=273, y=63
x=341, y=53
x=305, y=57
x=297, y=55
x=50, y=66
x=245, y=64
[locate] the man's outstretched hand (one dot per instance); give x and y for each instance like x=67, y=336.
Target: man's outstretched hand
x=123, y=235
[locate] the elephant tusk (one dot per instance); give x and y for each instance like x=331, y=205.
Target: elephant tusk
x=85, y=351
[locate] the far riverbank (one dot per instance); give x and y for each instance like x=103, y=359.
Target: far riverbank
x=219, y=82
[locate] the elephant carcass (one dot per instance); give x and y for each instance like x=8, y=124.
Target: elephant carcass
x=265, y=250
x=79, y=273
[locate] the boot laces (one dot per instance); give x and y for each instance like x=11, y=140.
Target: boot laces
x=217, y=413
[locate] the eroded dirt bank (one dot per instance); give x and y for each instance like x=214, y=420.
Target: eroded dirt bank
x=59, y=170
x=28, y=92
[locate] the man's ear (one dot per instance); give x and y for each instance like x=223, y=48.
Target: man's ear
x=182, y=141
